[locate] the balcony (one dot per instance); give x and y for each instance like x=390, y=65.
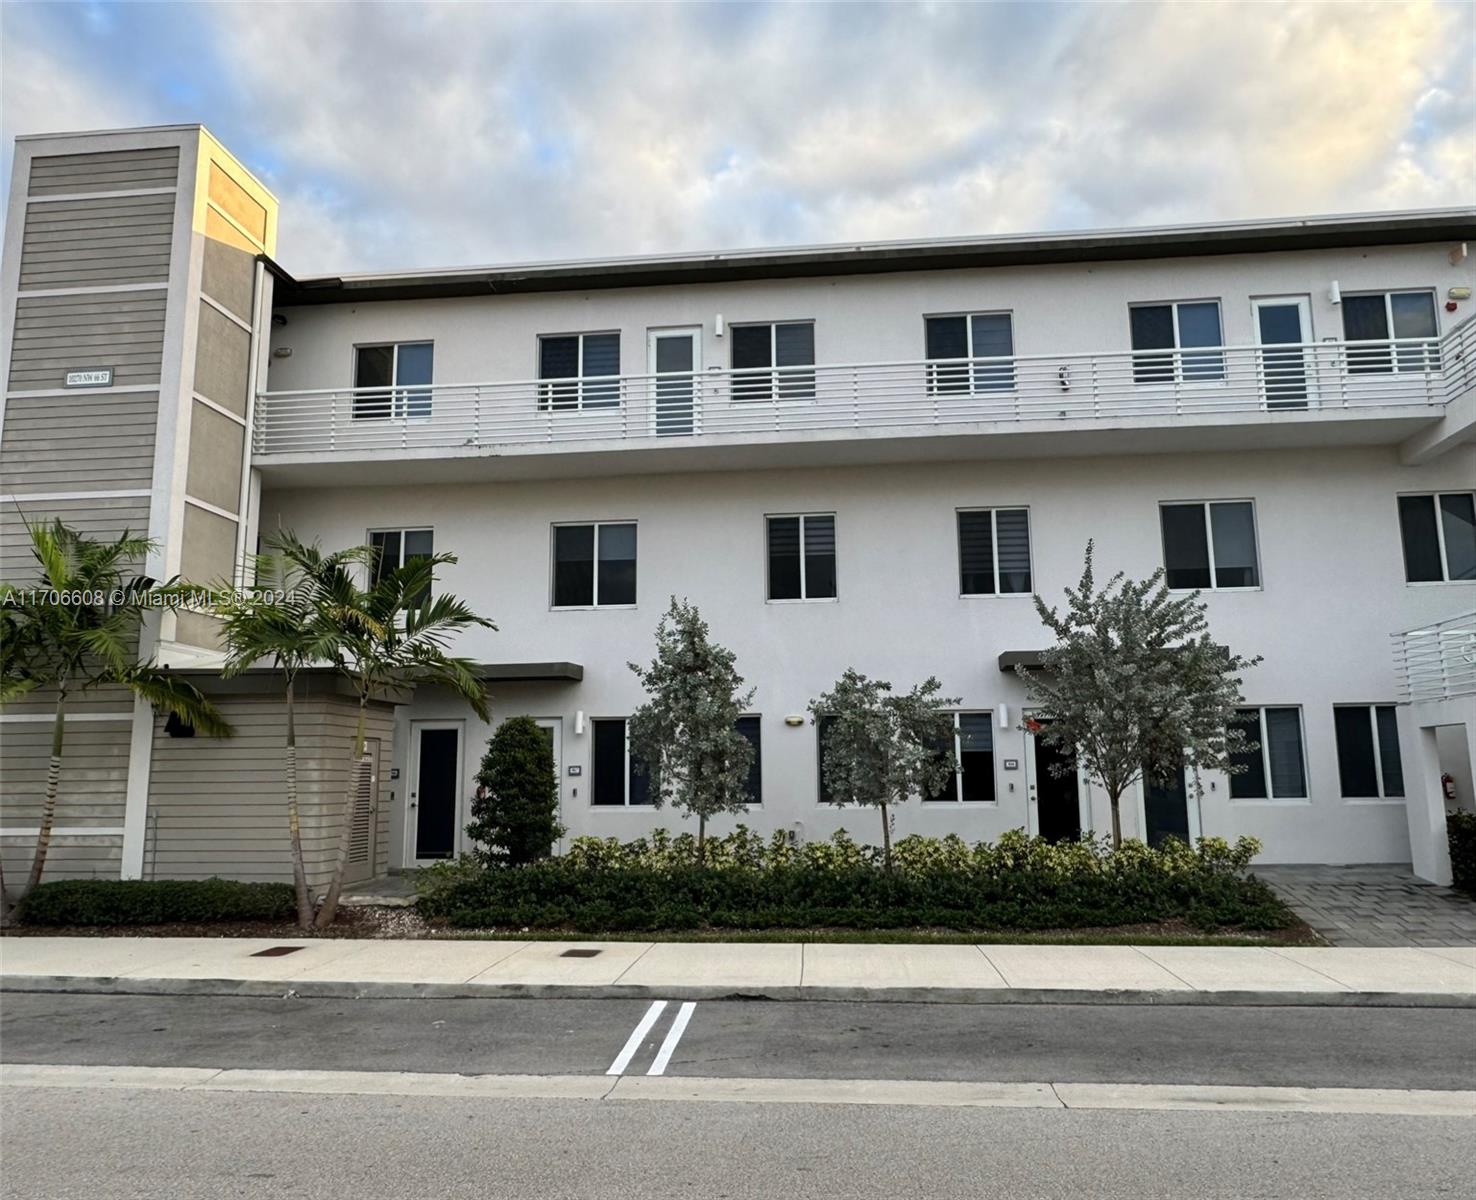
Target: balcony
x=1232, y=397
x=1437, y=662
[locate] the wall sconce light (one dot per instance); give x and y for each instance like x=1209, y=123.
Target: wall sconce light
x=794, y=720
x=579, y=723
x=282, y=352
x=1334, y=293
x=1004, y=716
x=717, y=325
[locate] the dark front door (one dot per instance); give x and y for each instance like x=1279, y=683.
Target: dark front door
x=1284, y=371
x=435, y=793
x=1057, y=801
x=1166, y=808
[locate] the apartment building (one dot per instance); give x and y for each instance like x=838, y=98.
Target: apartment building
x=863, y=456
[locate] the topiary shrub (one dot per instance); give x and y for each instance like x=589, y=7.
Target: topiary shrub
x=1460, y=828
x=515, y=811
x=105, y=902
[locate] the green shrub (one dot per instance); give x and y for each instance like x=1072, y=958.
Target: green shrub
x=154, y=902
x=515, y=811
x=1460, y=827
x=1018, y=882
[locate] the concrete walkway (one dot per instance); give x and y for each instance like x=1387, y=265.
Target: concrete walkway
x=1438, y=976
x=1374, y=905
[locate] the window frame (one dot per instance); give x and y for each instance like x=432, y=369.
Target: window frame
x=993, y=510
x=1178, y=350
x=626, y=804
x=1434, y=498
x=576, y=401
x=1004, y=366
x=958, y=775
x=1429, y=361
x=553, y=567
x=1265, y=752
x=1372, y=711
x=804, y=597
x=397, y=394
x=402, y=530
x=777, y=394
x=1209, y=534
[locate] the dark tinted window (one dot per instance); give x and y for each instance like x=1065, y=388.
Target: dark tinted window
x=374, y=367
x=1012, y=534
x=617, y=564
x=751, y=728
x=1249, y=784
x=819, y=535
x=976, y=553
x=1458, y=523
x=1284, y=750
x=1152, y=329
x=752, y=346
x=1357, y=771
x=1185, y=546
x=801, y=558
x=976, y=756
x=386, y=545
x=608, y=785
x=573, y=565
x=1234, y=530
x=1421, y=540
x=1393, y=766
x=784, y=558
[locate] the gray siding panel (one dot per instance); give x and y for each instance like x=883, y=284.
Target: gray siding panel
x=102, y=441
x=55, y=334
x=82, y=243
x=218, y=806
x=105, y=171
x=99, y=518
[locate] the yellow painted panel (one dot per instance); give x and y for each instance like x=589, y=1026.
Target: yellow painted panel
x=217, y=227
x=231, y=198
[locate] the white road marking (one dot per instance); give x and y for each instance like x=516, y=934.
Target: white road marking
x=633, y=1043
x=930, y=1093
x=673, y=1036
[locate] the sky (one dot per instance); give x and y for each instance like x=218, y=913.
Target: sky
x=424, y=135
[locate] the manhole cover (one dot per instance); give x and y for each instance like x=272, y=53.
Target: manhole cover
x=276, y=951
x=578, y=953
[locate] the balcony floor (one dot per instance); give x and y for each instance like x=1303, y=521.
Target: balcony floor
x=985, y=440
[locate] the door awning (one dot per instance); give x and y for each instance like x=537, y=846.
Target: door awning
x=1011, y=659
x=530, y=672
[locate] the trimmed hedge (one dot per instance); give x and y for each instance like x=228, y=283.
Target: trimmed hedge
x=1461, y=829
x=1017, y=883
x=154, y=902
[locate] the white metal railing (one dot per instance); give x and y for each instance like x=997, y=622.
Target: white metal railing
x=1437, y=662
x=677, y=407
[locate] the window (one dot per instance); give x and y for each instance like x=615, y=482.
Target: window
x=973, y=746
x=1368, y=751
x=1439, y=533
x=823, y=725
x=993, y=551
x=1210, y=545
x=400, y=365
x=594, y=566
x=1369, y=321
x=784, y=346
x=583, y=359
x=1182, y=326
x=975, y=336
x=1276, y=769
x=801, y=558
x=751, y=728
x=619, y=780
x=393, y=548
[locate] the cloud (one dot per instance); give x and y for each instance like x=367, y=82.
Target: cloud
x=420, y=135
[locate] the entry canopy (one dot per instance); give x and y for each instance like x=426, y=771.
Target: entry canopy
x=565, y=672
x=1030, y=659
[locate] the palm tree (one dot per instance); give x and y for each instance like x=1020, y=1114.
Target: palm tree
x=391, y=634
x=281, y=621
x=77, y=628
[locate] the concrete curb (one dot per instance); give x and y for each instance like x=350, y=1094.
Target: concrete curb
x=333, y=990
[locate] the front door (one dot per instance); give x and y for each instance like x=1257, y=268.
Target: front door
x=434, y=812
x=675, y=358
x=1285, y=379
x=1057, y=797
x=1165, y=809
x=553, y=727
x=363, y=816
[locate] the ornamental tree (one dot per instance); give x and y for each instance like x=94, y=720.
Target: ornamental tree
x=516, y=806
x=1135, y=686
x=878, y=749
x=685, y=736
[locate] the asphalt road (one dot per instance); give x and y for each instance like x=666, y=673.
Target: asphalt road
x=114, y=1142
x=1291, y=1047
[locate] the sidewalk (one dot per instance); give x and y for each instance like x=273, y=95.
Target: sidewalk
x=1424, y=977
